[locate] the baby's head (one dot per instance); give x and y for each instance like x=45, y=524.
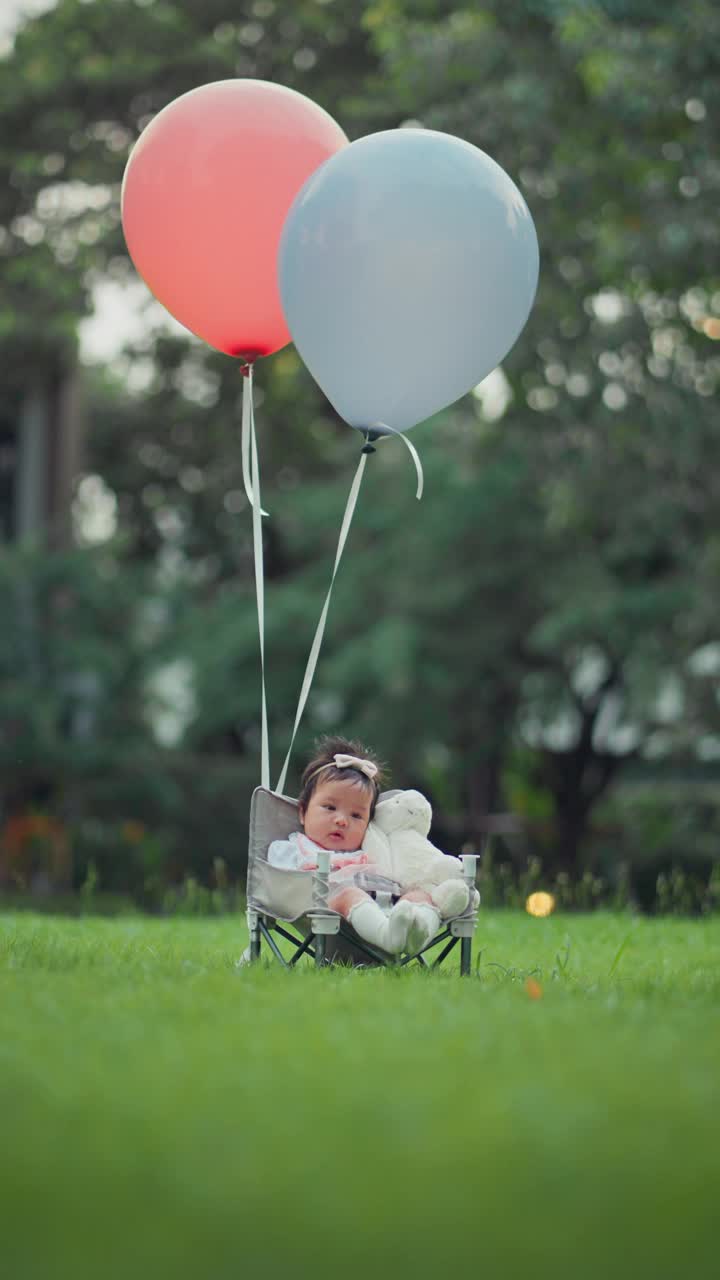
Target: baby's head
x=340, y=787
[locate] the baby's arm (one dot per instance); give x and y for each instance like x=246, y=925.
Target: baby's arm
x=290, y=854
x=356, y=859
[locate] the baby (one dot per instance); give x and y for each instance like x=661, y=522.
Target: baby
x=339, y=792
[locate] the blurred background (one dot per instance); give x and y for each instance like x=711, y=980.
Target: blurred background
x=536, y=644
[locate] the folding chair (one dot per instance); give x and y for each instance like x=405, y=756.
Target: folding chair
x=277, y=898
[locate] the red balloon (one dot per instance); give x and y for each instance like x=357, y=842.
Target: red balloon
x=204, y=199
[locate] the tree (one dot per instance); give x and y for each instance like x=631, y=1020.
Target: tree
x=528, y=617
x=602, y=113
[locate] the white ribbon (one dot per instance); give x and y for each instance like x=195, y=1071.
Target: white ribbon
x=320, y=631
x=413, y=454
x=317, y=640
x=247, y=432
x=249, y=446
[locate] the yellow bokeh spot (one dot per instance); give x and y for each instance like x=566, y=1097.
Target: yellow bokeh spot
x=711, y=327
x=540, y=904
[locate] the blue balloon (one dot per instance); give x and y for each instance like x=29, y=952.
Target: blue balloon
x=408, y=265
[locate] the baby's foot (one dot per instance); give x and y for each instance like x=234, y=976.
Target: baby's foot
x=424, y=925
x=398, y=923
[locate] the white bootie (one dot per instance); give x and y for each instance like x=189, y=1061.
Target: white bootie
x=424, y=926
x=388, y=932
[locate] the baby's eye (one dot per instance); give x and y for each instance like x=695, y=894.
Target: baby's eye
x=358, y=816
x=328, y=806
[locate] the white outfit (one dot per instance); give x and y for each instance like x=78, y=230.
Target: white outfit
x=299, y=853
x=350, y=867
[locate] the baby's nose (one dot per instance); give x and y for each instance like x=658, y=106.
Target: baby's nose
x=341, y=820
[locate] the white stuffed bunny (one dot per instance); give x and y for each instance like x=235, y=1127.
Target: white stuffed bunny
x=396, y=840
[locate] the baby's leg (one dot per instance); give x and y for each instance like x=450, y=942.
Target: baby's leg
x=389, y=933
x=417, y=895
x=425, y=919
x=343, y=900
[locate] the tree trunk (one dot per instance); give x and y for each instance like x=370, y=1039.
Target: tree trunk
x=577, y=780
x=483, y=748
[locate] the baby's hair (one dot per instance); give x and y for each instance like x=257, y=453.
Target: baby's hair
x=322, y=768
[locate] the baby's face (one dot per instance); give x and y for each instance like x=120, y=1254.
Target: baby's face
x=337, y=815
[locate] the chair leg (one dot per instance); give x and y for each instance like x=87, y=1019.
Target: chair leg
x=323, y=922
x=266, y=932
x=255, y=938
x=469, y=863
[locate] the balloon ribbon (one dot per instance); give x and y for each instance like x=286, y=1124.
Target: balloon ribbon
x=250, y=465
x=251, y=481
x=344, y=530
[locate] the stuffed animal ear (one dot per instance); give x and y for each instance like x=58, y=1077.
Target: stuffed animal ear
x=426, y=816
x=386, y=812
x=376, y=844
x=416, y=812
x=404, y=811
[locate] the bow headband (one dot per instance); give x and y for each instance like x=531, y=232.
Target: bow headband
x=354, y=762
x=350, y=762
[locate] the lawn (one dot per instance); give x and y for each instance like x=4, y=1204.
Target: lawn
x=165, y=1114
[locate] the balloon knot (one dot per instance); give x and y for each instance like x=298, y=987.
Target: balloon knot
x=245, y=370
x=368, y=448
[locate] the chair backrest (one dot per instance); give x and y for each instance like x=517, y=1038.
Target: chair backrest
x=272, y=817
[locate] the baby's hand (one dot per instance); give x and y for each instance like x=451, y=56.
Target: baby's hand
x=349, y=860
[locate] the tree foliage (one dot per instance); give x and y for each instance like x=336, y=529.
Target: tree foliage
x=531, y=629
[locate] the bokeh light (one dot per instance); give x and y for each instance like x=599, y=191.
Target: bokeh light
x=540, y=904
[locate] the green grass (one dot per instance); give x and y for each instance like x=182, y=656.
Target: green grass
x=164, y=1114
